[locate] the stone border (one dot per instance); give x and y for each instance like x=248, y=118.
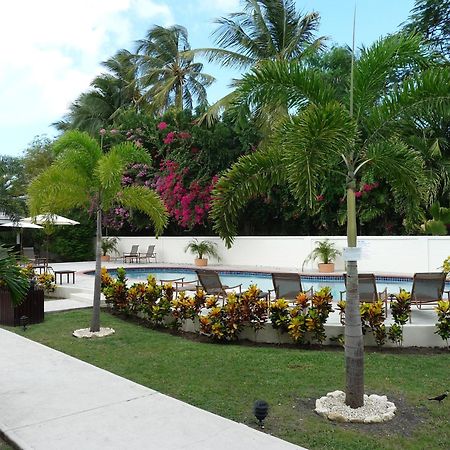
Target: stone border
x=376, y=409
x=87, y=333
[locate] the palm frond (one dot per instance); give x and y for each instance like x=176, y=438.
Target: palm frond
x=58, y=189
x=283, y=83
x=375, y=69
x=312, y=144
x=147, y=201
x=78, y=150
x=249, y=177
x=402, y=168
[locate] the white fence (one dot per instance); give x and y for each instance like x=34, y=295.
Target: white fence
x=381, y=254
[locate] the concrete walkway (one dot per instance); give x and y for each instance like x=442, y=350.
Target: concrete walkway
x=51, y=401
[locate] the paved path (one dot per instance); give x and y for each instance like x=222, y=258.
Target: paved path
x=51, y=401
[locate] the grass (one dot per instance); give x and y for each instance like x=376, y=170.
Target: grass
x=227, y=379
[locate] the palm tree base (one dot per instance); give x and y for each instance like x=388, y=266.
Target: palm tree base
x=87, y=333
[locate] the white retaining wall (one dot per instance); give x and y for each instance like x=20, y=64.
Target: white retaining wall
x=385, y=254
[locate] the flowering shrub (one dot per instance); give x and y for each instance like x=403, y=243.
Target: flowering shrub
x=187, y=202
x=135, y=175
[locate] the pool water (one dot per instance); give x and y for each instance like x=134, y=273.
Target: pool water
x=264, y=280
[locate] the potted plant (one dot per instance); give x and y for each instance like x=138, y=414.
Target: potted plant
x=18, y=299
x=201, y=249
x=109, y=245
x=325, y=252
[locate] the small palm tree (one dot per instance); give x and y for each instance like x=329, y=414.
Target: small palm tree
x=325, y=251
x=320, y=135
x=83, y=176
x=11, y=277
x=203, y=248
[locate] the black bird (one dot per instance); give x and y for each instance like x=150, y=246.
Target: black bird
x=260, y=410
x=441, y=397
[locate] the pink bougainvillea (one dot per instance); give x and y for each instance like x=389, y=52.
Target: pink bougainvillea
x=187, y=202
x=162, y=125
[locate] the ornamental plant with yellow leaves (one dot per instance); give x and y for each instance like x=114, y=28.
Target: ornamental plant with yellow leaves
x=443, y=324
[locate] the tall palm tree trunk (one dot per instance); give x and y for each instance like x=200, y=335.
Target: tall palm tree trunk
x=95, y=322
x=179, y=96
x=354, y=345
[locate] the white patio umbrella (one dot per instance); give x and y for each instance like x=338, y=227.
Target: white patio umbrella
x=20, y=224
x=50, y=219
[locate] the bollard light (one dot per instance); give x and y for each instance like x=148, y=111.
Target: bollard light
x=24, y=322
x=260, y=410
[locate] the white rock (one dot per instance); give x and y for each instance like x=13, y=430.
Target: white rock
x=336, y=394
x=336, y=417
x=321, y=411
x=376, y=408
x=387, y=416
x=372, y=419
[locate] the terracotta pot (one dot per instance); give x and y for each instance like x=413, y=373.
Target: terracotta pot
x=201, y=262
x=106, y=258
x=326, y=268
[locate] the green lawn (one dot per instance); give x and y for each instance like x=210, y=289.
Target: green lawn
x=227, y=379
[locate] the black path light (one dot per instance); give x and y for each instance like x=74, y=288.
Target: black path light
x=260, y=410
x=24, y=322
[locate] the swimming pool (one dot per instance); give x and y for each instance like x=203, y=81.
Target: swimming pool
x=263, y=280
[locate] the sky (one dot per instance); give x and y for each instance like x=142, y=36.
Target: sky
x=52, y=49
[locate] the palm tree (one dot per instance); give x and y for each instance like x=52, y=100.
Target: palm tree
x=83, y=176
x=264, y=30
x=167, y=71
x=322, y=137
x=110, y=93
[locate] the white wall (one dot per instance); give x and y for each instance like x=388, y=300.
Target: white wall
x=382, y=254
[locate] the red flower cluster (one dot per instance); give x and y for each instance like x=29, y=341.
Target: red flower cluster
x=188, y=205
x=367, y=187
x=172, y=135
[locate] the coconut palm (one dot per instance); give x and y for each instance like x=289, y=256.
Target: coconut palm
x=322, y=137
x=168, y=74
x=110, y=93
x=83, y=176
x=264, y=30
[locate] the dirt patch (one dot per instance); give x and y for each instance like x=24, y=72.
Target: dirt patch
x=407, y=418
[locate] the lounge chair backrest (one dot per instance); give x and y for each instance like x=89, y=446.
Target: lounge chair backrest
x=287, y=285
x=209, y=280
x=428, y=286
x=150, y=250
x=367, y=287
x=134, y=249
x=28, y=252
